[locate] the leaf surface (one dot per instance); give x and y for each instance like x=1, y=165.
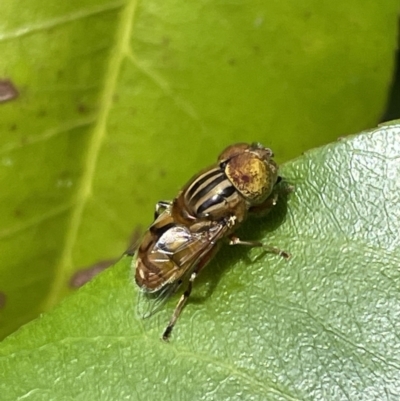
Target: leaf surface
x=322, y=326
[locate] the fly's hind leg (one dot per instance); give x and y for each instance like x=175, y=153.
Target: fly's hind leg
x=160, y=207
x=183, y=299
x=258, y=244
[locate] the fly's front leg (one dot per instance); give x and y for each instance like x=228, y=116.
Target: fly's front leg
x=160, y=207
x=265, y=207
x=271, y=249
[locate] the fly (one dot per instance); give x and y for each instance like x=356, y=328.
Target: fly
x=188, y=231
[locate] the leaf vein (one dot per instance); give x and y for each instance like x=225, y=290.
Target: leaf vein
x=54, y=22
x=164, y=86
x=84, y=191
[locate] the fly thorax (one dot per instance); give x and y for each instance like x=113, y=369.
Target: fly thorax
x=211, y=195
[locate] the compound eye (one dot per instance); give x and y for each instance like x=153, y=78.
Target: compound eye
x=252, y=177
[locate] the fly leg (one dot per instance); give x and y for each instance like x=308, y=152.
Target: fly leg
x=183, y=299
x=160, y=207
x=265, y=207
x=271, y=249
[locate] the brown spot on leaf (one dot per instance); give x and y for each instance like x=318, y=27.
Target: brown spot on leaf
x=84, y=275
x=18, y=213
x=8, y=91
x=82, y=108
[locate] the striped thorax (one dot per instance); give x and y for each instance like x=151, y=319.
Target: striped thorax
x=243, y=177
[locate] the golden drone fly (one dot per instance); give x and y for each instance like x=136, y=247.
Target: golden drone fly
x=187, y=232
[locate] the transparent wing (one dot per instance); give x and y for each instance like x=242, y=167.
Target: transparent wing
x=185, y=259
x=150, y=303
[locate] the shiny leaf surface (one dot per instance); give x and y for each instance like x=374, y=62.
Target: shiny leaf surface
x=322, y=326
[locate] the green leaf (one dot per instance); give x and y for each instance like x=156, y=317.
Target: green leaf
x=322, y=326
x=117, y=102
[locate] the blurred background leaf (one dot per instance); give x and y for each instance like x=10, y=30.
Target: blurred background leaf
x=322, y=326
x=109, y=106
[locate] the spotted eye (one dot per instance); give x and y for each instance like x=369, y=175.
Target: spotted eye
x=252, y=176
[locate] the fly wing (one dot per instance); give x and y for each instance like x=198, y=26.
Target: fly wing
x=150, y=303
x=172, y=259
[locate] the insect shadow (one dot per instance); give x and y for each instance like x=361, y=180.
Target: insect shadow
x=253, y=229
